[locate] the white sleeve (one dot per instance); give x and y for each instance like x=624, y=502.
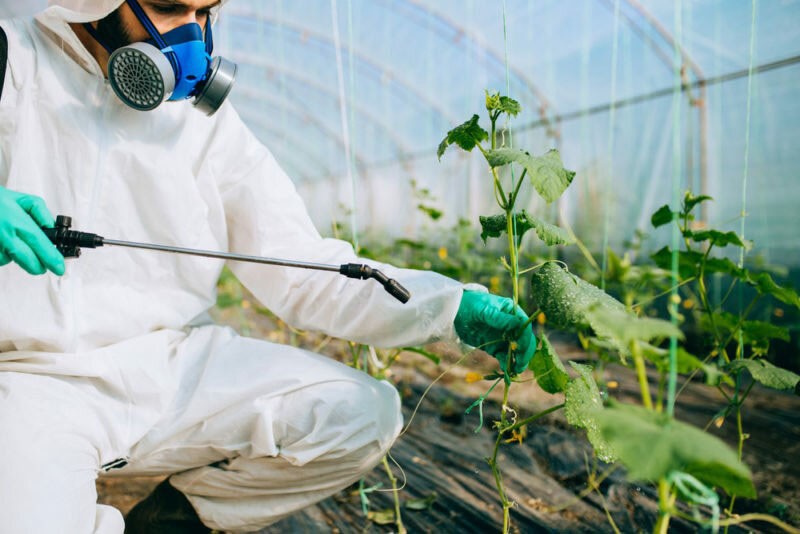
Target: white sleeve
x=265, y=216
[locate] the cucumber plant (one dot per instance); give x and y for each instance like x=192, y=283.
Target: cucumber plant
x=547, y=175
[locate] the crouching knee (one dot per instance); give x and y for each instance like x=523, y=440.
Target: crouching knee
x=374, y=422
x=339, y=421
x=385, y=404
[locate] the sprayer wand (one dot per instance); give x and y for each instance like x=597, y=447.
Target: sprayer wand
x=70, y=242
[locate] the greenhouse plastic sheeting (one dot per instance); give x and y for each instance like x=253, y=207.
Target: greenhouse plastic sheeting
x=353, y=97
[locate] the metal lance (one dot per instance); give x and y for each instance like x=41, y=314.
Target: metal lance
x=70, y=242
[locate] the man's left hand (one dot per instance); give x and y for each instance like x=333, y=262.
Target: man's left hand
x=494, y=323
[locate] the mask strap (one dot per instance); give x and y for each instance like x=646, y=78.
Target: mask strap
x=93, y=32
x=156, y=35
x=209, y=36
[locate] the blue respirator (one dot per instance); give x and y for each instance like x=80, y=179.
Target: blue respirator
x=175, y=66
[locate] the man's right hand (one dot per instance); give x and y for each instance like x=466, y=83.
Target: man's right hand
x=21, y=238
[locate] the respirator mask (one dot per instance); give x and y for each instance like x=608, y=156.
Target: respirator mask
x=175, y=66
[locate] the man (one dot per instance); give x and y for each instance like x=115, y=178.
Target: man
x=108, y=364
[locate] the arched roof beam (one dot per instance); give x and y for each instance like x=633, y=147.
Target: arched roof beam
x=378, y=71
x=545, y=104
x=401, y=149
x=302, y=159
x=306, y=117
x=667, y=36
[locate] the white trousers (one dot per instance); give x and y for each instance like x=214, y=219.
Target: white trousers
x=251, y=431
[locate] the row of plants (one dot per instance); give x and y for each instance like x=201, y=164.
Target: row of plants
x=685, y=463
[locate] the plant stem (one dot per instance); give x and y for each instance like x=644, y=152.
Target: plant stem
x=498, y=477
x=736, y=520
x=512, y=250
x=667, y=292
x=498, y=480
x=666, y=500
x=641, y=373
x=513, y=198
x=737, y=401
x=660, y=393
x=533, y=418
x=742, y=319
x=398, y=519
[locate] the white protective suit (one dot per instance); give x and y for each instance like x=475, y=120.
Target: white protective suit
x=110, y=361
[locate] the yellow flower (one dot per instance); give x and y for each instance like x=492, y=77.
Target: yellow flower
x=472, y=376
x=246, y=304
x=688, y=304
x=778, y=312
x=612, y=384
x=443, y=253
x=518, y=435
x=541, y=318
x=494, y=284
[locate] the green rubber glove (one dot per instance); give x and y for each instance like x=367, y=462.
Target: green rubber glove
x=490, y=322
x=21, y=238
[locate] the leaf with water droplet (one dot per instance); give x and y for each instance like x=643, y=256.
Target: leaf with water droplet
x=583, y=400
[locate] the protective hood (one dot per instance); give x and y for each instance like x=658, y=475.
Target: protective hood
x=60, y=13
x=89, y=10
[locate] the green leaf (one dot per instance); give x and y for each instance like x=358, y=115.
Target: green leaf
x=752, y=331
x=759, y=330
x=564, y=298
x=382, y=517
x=652, y=445
x=431, y=212
x=550, y=233
x=496, y=225
x=227, y=300
x=662, y=216
x=690, y=201
x=765, y=285
x=421, y=504
x=624, y=327
x=432, y=357
x=547, y=368
x=767, y=374
x=503, y=104
x=719, y=239
x=689, y=264
x=583, y=402
x=546, y=173
x=467, y=136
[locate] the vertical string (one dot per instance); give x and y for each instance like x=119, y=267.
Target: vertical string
x=281, y=36
x=508, y=75
x=344, y=119
x=677, y=167
x=611, y=126
x=352, y=119
x=585, y=138
x=746, y=170
x=747, y=127
x=508, y=130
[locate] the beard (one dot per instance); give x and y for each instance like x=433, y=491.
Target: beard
x=113, y=32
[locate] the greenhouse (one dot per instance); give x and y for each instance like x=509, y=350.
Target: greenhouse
x=584, y=216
